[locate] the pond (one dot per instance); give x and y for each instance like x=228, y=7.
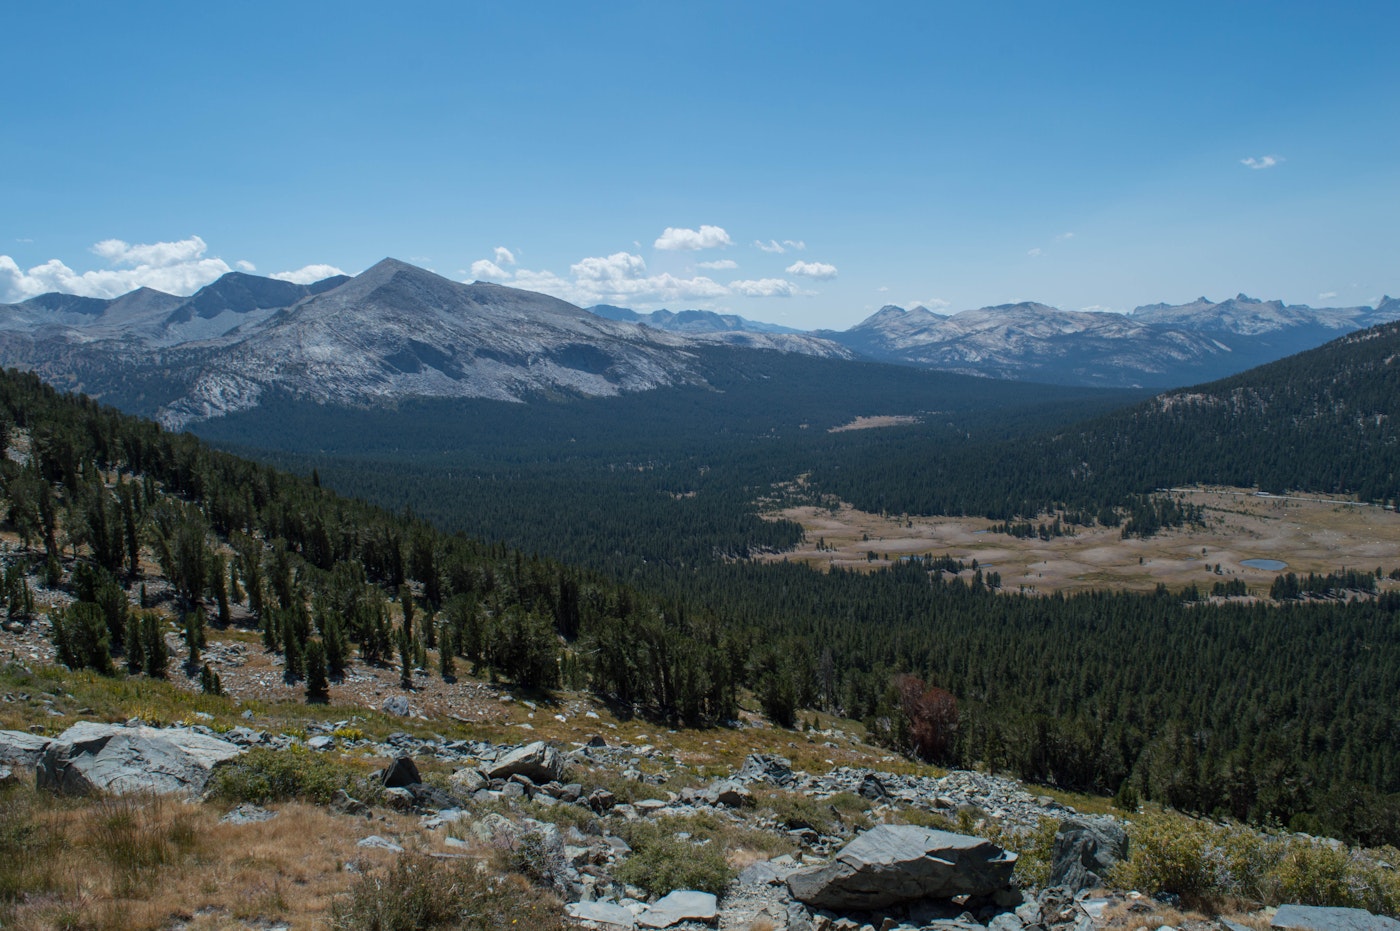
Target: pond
x=1268, y=565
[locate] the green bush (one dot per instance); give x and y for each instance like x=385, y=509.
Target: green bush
x=260, y=776
x=418, y=893
x=1201, y=862
x=661, y=862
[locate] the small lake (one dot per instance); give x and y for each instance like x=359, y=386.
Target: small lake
x=1268, y=565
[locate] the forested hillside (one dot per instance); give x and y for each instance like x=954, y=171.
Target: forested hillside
x=1322, y=421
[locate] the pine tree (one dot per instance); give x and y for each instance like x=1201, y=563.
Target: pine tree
x=153, y=647
x=447, y=663
x=317, y=688
x=132, y=643
x=194, y=636
x=209, y=681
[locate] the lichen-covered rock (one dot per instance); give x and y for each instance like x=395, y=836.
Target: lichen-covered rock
x=895, y=863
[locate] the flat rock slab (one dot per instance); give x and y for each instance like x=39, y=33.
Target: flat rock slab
x=18, y=748
x=602, y=914
x=681, y=905
x=1319, y=918
x=91, y=757
x=896, y=863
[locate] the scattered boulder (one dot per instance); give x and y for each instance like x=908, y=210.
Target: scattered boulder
x=730, y=793
x=872, y=788
x=397, y=705
x=538, y=761
x=18, y=748
x=91, y=757
x=343, y=803
x=771, y=769
x=401, y=774
x=892, y=864
x=681, y=905
x=467, y=781
x=603, y=914
x=376, y=842
x=247, y=814
x=8, y=777
x=1319, y=918
x=1085, y=850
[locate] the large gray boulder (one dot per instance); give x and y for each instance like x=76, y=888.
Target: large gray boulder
x=1319, y=918
x=91, y=757
x=1085, y=850
x=892, y=864
x=20, y=749
x=538, y=762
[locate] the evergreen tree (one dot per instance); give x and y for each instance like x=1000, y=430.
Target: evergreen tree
x=317, y=688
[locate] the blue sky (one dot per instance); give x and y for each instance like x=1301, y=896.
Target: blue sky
x=1086, y=155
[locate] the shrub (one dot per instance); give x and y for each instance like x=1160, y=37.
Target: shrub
x=418, y=893
x=260, y=776
x=661, y=862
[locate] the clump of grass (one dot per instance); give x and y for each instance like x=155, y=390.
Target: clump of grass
x=28, y=847
x=418, y=893
x=136, y=836
x=661, y=862
x=260, y=776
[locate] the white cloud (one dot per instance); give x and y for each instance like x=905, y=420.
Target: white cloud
x=771, y=245
x=796, y=244
x=680, y=239
x=620, y=266
x=1037, y=251
x=935, y=303
x=243, y=266
x=504, y=256
x=720, y=264
x=1098, y=309
x=819, y=270
x=764, y=287
x=618, y=278
x=179, y=267
x=882, y=289
x=307, y=274
x=1327, y=295
x=487, y=270
x=1263, y=161
x=1064, y=236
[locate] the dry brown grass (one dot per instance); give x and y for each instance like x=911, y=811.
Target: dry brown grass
x=1311, y=536
x=138, y=863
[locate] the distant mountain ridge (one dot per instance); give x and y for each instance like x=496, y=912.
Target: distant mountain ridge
x=391, y=333
x=1159, y=345
x=397, y=332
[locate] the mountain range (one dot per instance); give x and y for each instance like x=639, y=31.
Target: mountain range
x=396, y=332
